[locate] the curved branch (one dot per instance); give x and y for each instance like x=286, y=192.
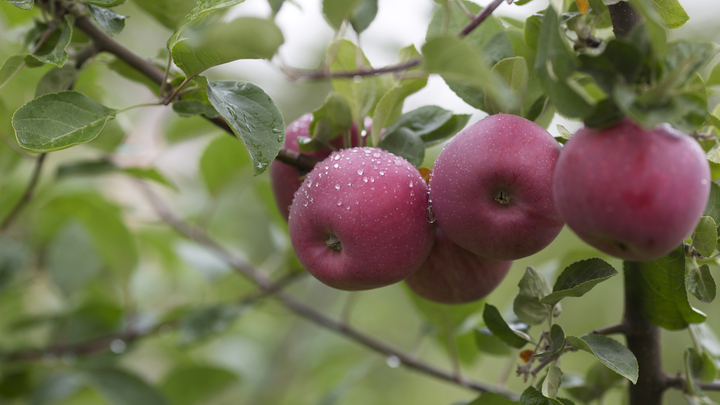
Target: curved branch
x=304, y=310
x=27, y=195
x=482, y=16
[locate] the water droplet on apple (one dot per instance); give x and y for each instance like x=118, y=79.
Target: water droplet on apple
x=411, y=183
x=376, y=154
x=703, y=182
x=360, y=172
x=430, y=214
x=336, y=165
x=372, y=179
x=382, y=173
x=339, y=203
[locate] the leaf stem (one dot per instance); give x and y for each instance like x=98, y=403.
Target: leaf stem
x=122, y=110
x=172, y=96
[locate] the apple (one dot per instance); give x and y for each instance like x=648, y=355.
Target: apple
x=453, y=275
x=630, y=192
x=491, y=188
x=286, y=179
x=359, y=220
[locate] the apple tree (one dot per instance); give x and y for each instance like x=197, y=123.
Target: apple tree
x=175, y=233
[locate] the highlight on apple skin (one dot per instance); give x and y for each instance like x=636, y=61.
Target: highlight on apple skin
x=453, y=275
x=491, y=188
x=359, y=220
x=630, y=192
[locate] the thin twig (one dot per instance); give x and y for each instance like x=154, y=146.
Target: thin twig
x=27, y=196
x=482, y=16
x=609, y=330
x=302, y=309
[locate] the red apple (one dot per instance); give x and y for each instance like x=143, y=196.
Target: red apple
x=359, y=220
x=453, y=275
x=491, y=188
x=286, y=179
x=630, y=192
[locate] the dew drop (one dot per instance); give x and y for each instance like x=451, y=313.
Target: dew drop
x=411, y=183
x=117, y=346
x=393, y=362
x=372, y=179
x=382, y=173
x=365, y=179
x=430, y=214
x=339, y=203
x=376, y=154
x=703, y=182
x=336, y=165
x=310, y=183
x=337, y=187
x=360, y=172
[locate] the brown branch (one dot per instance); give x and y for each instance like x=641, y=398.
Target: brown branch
x=482, y=16
x=102, y=344
x=302, y=309
x=609, y=330
x=27, y=195
x=324, y=74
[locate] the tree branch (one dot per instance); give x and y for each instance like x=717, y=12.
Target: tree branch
x=27, y=195
x=302, y=309
x=609, y=330
x=482, y=16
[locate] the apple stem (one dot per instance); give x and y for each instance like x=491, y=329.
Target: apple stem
x=503, y=197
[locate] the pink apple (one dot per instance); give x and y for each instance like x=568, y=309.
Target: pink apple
x=359, y=220
x=491, y=188
x=453, y=275
x=286, y=179
x=630, y=192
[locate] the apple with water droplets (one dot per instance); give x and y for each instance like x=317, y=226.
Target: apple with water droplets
x=286, y=179
x=453, y=275
x=631, y=192
x=359, y=220
x=491, y=188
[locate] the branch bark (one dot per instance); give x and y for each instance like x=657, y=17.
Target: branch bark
x=27, y=195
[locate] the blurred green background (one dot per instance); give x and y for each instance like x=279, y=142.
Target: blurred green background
x=88, y=257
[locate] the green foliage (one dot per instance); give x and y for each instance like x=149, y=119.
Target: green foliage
x=10, y=67
x=120, y=387
x=500, y=328
x=222, y=161
x=205, y=322
x=167, y=12
x=701, y=284
x=54, y=49
x=330, y=120
x=705, y=236
x=527, y=305
x=344, y=56
x=610, y=352
x=108, y=20
x=193, y=385
x=579, y=278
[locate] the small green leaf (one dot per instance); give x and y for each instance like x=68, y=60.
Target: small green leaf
x=167, y=12
x=705, y=237
x=363, y=15
x=714, y=78
x=531, y=31
x=205, y=322
x=404, y=143
x=495, y=322
x=59, y=120
x=106, y=3
x=431, y=123
x=557, y=341
x=10, y=68
x=253, y=117
x=337, y=11
x=344, y=56
x=149, y=174
x=57, y=79
x=533, y=396
x=552, y=382
x=109, y=21
x=22, y=4
x=579, y=278
x=672, y=13
x=201, y=10
x=610, y=352
x=490, y=398
x=487, y=342
x=699, y=368
x=330, y=120
x=72, y=258
x=244, y=38
x=194, y=385
x=527, y=305
x=514, y=72
x=56, y=387
x=120, y=387
x=190, y=107
x=701, y=284
x=659, y=289
x=712, y=209
x=221, y=162
x=276, y=5
x=55, y=53
x=12, y=261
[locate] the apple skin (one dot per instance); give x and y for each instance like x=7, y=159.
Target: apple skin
x=286, y=179
x=453, y=275
x=491, y=188
x=373, y=204
x=631, y=192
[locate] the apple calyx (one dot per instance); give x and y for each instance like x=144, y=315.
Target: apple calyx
x=333, y=243
x=503, y=197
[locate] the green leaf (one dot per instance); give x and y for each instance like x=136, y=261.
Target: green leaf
x=344, y=56
x=527, y=305
x=531, y=31
x=191, y=385
x=659, y=289
x=557, y=341
x=15, y=383
x=106, y=3
x=55, y=53
x=555, y=63
x=699, y=367
x=120, y=387
x=705, y=237
x=440, y=315
x=712, y=209
x=59, y=120
x=123, y=69
x=363, y=15
x=276, y=5
x=148, y=174
x=221, y=162
x=253, y=117
x=55, y=388
x=10, y=68
x=22, y=4
x=714, y=78
x=330, y=120
x=57, y=79
x=701, y=284
x=490, y=398
x=610, y=352
x=13, y=257
x=514, y=72
x=243, y=38
x=552, y=382
x=495, y=322
x=487, y=342
x=109, y=21
x=672, y=13
x=598, y=380
x=431, y=123
x=579, y=278
x=167, y=12
x=205, y=322
x=404, y=143
x=201, y=10
x=457, y=61
x=188, y=108
x=337, y=11
x=103, y=166
x=533, y=396
x=72, y=258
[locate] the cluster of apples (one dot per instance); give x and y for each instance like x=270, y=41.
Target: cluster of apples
x=501, y=190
